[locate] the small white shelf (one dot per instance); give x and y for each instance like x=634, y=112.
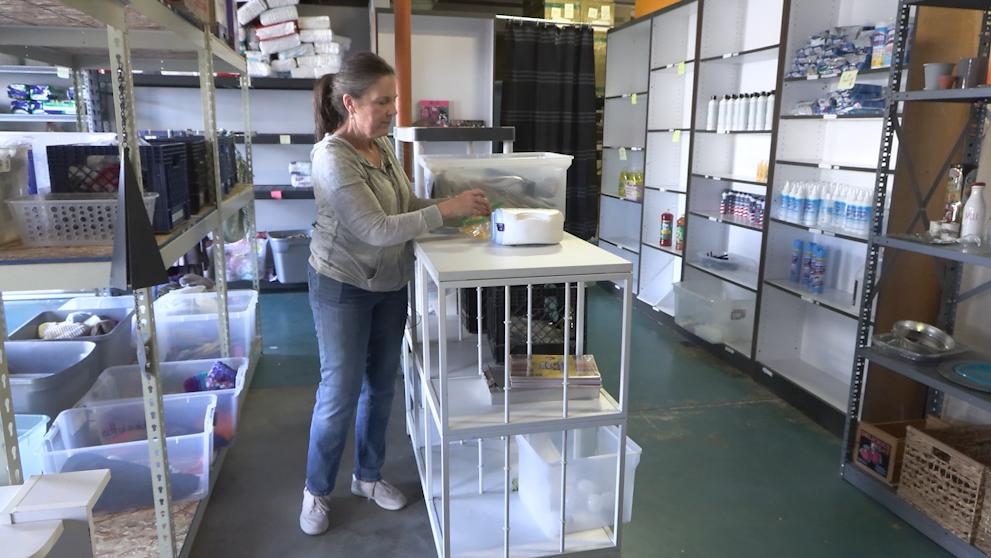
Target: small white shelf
x=728, y=177
x=740, y=277
x=733, y=220
x=760, y=54
x=666, y=249
x=816, y=381
x=823, y=231
x=842, y=302
x=39, y=118
x=626, y=243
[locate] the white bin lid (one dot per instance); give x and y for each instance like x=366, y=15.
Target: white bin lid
x=437, y=163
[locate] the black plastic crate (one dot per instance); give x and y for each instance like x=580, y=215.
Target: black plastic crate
x=469, y=310
x=548, y=319
x=227, y=150
x=75, y=169
x=201, y=193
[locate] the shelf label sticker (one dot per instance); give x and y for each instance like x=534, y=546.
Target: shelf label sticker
x=633, y=98
x=808, y=299
x=829, y=117
x=713, y=219
x=555, y=13
x=285, y=139
x=716, y=177
x=569, y=11
x=593, y=13
x=828, y=233
x=681, y=68
x=729, y=55
x=622, y=153
x=151, y=137
x=676, y=136
x=767, y=371
x=825, y=166
x=847, y=80
x=63, y=72
x=276, y=194
x=815, y=231
x=729, y=349
x=606, y=12
x=810, y=78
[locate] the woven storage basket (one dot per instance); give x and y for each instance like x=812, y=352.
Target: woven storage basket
x=944, y=473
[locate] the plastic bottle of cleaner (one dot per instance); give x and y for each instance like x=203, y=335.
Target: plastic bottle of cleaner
x=839, y=208
x=795, y=270
x=777, y=201
x=812, y=203
x=752, y=111
x=817, y=282
x=742, y=115
x=723, y=113
x=825, y=219
x=798, y=203
x=761, y=116
x=667, y=225
x=852, y=210
x=711, y=114
x=769, y=115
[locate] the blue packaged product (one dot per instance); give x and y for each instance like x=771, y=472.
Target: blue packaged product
x=795, y=271
x=817, y=270
x=25, y=107
x=18, y=92
x=806, y=279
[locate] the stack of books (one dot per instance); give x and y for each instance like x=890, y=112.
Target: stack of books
x=541, y=378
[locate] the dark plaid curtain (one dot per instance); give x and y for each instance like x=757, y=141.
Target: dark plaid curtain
x=549, y=96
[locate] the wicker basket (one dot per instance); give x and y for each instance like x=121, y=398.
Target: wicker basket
x=69, y=219
x=944, y=474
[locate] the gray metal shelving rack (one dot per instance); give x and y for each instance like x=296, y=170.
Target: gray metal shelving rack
x=951, y=259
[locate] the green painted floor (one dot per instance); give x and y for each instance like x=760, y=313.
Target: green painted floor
x=727, y=468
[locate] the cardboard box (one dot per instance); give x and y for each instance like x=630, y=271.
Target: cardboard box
x=196, y=10
x=598, y=12
x=878, y=447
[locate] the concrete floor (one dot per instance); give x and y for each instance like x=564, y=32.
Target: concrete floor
x=727, y=468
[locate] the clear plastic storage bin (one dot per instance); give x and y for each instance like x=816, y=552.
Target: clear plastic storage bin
x=714, y=311
x=124, y=382
x=188, y=325
x=112, y=349
x=591, y=482
x=509, y=180
x=31, y=442
x=99, y=302
x=113, y=436
x=46, y=378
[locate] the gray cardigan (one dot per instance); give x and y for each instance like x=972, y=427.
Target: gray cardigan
x=367, y=216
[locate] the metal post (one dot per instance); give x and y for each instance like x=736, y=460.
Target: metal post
x=580, y=327
x=564, y=411
x=445, y=454
x=10, y=457
x=529, y=321
x=478, y=326
x=461, y=329
x=147, y=352
x=505, y=418
x=251, y=233
x=161, y=477
x=624, y=381
x=208, y=96
x=80, y=94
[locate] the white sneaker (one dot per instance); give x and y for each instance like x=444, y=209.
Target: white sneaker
x=388, y=497
x=313, y=519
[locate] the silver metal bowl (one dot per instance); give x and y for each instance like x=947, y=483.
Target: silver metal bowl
x=924, y=335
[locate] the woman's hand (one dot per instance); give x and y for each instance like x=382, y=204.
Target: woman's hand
x=472, y=203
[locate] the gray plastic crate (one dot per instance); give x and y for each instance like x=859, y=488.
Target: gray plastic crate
x=290, y=255
x=47, y=378
x=112, y=349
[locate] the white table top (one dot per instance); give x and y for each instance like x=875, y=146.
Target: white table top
x=65, y=490
x=460, y=258
x=30, y=540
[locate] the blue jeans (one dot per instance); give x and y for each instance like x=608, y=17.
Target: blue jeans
x=360, y=336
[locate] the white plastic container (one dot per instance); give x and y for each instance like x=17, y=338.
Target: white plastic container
x=709, y=309
x=591, y=483
x=113, y=436
x=49, y=384
x=31, y=442
x=69, y=219
x=124, y=382
x=189, y=328
x=99, y=302
x=510, y=180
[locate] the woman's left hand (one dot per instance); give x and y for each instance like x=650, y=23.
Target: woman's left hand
x=472, y=203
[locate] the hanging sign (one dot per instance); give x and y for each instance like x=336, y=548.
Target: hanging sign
x=633, y=99
x=847, y=79
x=681, y=68
x=676, y=136
x=622, y=153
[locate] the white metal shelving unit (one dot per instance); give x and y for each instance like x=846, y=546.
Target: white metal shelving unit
x=465, y=439
x=811, y=339
x=100, y=33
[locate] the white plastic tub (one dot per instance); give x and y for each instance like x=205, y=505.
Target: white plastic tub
x=188, y=325
x=99, y=302
x=591, y=482
x=124, y=382
x=31, y=442
x=113, y=436
x=112, y=349
x=47, y=378
x=714, y=311
x=509, y=180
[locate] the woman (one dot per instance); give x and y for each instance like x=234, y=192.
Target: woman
x=361, y=259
